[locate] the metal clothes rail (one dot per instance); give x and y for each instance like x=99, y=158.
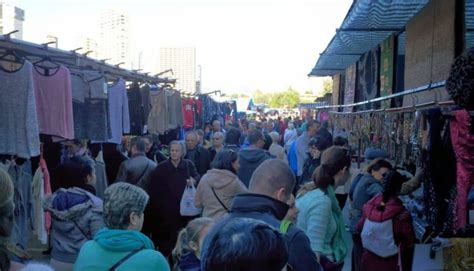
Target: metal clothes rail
x=76, y=60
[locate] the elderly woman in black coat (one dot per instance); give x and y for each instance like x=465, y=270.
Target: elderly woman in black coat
x=165, y=185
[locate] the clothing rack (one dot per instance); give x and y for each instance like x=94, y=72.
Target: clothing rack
x=73, y=59
x=413, y=91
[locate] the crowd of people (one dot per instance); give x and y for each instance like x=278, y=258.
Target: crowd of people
x=269, y=196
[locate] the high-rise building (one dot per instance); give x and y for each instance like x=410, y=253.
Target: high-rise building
x=11, y=18
x=183, y=62
x=114, y=38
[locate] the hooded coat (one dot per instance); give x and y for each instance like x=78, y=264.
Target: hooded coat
x=77, y=217
x=226, y=185
x=403, y=233
x=249, y=160
x=110, y=246
x=272, y=212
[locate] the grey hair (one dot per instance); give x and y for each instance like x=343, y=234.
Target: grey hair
x=181, y=144
x=120, y=200
x=275, y=136
x=220, y=134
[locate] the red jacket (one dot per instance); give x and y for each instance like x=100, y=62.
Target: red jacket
x=402, y=230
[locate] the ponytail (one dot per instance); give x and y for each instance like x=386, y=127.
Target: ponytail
x=323, y=177
x=190, y=234
x=392, y=184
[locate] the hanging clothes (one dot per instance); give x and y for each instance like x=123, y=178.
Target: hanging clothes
x=18, y=122
x=90, y=106
x=135, y=105
x=463, y=144
x=101, y=182
x=118, y=111
x=175, y=112
x=54, y=102
x=23, y=213
x=439, y=180
x=146, y=102
x=158, y=119
x=188, y=113
x=41, y=189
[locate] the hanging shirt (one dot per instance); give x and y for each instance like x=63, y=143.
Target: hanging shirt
x=90, y=106
x=188, y=114
x=135, y=105
x=18, y=121
x=175, y=113
x=54, y=102
x=118, y=111
x=158, y=118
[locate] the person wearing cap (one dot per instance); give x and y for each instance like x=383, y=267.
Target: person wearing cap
x=121, y=245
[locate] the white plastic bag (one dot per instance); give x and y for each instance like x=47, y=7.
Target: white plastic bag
x=187, y=206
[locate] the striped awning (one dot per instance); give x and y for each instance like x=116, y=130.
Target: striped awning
x=367, y=24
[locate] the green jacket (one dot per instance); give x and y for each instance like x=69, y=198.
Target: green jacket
x=111, y=246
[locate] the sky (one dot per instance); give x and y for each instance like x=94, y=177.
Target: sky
x=242, y=45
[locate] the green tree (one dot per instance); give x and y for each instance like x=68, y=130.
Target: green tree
x=327, y=86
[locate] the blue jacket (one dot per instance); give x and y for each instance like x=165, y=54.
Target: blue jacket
x=366, y=188
x=272, y=212
x=292, y=158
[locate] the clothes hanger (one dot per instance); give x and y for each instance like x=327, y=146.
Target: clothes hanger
x=11, y=52
x=46, y=60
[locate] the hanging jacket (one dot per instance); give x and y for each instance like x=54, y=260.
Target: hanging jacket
x=77, y=216
x=226, y=186
x=272, y=212
x=402, y=230
x=110, y=246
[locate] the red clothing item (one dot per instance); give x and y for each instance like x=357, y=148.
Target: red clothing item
x=188, y=113
x=402, y=231
x=47, y=192
x=463, y=144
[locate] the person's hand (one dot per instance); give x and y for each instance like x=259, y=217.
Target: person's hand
x=191, y=181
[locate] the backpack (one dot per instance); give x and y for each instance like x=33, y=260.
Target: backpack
x=378, y=238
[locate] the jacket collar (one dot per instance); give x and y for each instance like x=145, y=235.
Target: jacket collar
x=246, y=203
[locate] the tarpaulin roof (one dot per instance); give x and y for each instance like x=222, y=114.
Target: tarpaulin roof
x=367, y=24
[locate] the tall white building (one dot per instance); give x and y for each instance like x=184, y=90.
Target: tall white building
x=11, y=18
x=183, y=62
x=114, y=40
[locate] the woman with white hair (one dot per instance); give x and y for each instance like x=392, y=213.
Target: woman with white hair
x=167, y=183
x=275, y=148
x=121, y=246
x=290, y=136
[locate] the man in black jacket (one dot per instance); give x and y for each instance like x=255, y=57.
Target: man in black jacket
x=199, y=155
x=270, y=189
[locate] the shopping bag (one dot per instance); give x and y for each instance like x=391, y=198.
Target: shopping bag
x=187, y=206
x=422, y=260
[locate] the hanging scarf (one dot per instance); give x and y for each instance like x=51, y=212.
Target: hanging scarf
x=338, y=245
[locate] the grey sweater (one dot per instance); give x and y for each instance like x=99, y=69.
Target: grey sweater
x=18, y=121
